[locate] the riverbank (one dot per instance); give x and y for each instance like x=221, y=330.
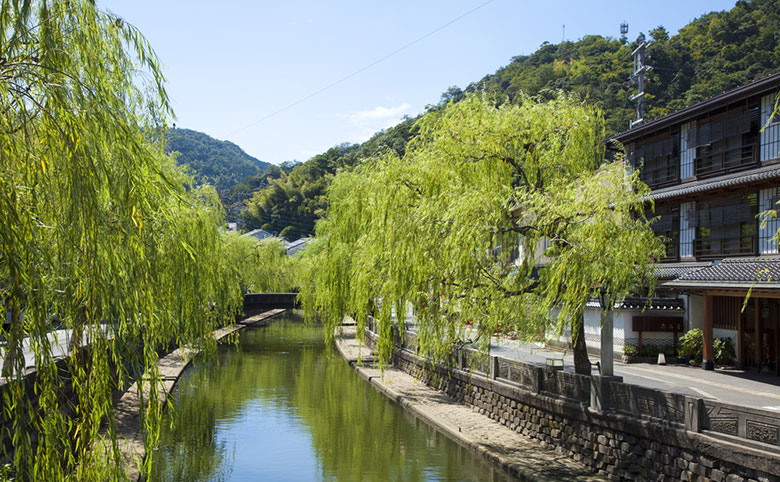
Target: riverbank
x=516, y=454
x=128, y=422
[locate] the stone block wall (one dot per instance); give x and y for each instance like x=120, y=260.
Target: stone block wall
x=612, y=443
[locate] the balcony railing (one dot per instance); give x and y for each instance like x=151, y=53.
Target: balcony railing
x=732, y=246
x=661, y=176
x=727, y=160
x=672, y=249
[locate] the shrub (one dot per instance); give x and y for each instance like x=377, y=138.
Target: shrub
x=630, y=350
x=649, y=350
x=691, y=344
x=724, y=351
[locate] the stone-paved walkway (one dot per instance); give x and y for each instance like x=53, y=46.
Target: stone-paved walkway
x=515, y=453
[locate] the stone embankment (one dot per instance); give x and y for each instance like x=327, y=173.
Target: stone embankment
x=515, y=453
x=128, y=423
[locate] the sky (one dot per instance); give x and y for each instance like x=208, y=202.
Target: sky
x=286, y=80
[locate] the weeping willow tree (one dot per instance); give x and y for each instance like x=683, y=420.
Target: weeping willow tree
x=435, y=230
x=102, y=239
x=263, y=264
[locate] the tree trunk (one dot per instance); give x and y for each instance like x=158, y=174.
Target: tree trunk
x=581, y=361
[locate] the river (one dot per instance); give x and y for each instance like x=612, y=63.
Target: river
x=281, y=405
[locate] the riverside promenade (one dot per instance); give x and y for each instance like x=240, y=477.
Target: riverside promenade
x=519, y=456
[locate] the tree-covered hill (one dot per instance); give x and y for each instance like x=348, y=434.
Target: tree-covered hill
x=291, y=202
x=220, y=163
x=715, y=52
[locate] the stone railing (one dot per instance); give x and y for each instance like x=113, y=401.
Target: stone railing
x=674, y=410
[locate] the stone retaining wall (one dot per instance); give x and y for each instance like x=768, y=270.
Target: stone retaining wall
x=616, y=443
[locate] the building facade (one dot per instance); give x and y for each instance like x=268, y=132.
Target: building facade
x=714, y=171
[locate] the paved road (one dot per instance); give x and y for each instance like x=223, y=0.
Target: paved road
x=730, y=386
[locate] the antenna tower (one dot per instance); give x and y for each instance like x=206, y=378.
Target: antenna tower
x=623, y=30
x=638, y=79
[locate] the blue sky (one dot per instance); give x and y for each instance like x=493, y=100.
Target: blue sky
x=240, y=70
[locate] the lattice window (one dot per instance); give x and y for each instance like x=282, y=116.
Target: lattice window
x=687, y=229
x=726, y=225
x=687, y=151
x=667, y=226
x=770, y=136
x=658, y=160
x=768, y=199
x=726, y=143
x=726, y=312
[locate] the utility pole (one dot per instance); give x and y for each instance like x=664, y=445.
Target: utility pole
x=638, y=79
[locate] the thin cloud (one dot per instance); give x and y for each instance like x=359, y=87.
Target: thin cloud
x=379, y=113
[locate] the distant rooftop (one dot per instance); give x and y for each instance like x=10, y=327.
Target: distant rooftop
x=293, y=247
x=259, y=234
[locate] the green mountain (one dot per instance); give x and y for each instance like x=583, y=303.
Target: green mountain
x=715, y=52
x=220, y=163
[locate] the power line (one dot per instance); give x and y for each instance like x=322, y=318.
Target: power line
x=347, y=77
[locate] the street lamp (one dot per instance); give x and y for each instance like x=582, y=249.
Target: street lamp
x=607, y=365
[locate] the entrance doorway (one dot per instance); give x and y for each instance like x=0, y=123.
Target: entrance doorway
x=760, y=334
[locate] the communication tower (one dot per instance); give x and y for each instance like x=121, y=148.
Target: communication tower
x=623, y=30
x=638, y=79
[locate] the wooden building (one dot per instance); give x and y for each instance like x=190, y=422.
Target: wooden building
x=714, y=168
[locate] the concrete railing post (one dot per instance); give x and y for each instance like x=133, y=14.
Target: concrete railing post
x=493, y=367
x=694, y=408
x=600, y=393
x=536, y=379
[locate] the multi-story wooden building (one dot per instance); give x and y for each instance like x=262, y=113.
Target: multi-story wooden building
x=714, y=168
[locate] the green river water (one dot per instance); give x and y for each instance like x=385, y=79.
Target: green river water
x=282, y=406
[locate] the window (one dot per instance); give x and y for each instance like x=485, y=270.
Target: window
x=687, y=229
x=768, y=199
x=658, y=161
x=688, y=152
x=726, y=143
x=667, y=226
x=770, y=136
x=726, y=225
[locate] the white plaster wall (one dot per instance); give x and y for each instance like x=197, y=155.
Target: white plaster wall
x=695, y=312
x=621, y=324
x=721, y=333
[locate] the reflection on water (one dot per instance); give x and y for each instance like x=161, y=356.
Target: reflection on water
x=281, y=406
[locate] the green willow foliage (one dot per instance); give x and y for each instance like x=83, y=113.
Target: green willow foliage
x=100, y=234
x=434, y=230
x=264, y=266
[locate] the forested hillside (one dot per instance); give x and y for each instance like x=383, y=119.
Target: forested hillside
x=219, y=163
x=291, y=202
x=715, y=52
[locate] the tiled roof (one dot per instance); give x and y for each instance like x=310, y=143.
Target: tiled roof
x=259, y=234
x=670, y=271
x=759, y=273
x=639, y=303
x=295, y=246
x=765, y=173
